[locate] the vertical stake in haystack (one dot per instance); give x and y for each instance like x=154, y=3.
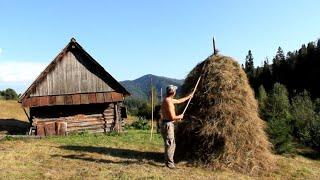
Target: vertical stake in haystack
x=151, y=132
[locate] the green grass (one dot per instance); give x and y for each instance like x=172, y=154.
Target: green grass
x=92, y=156
x=129, y=155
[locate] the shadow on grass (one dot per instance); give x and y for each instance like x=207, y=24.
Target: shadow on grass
x=314, y=154
x=134, y=156
x=13, y=126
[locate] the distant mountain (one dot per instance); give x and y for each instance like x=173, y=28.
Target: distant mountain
x=140, y=88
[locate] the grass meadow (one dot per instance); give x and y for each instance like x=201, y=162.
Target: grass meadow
x=130, y=155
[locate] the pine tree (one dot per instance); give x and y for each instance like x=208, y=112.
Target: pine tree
x=266, y=78
x=249, y=68
x=278, y=60
x=280, y=54
x=318, y=44
x=278, y=117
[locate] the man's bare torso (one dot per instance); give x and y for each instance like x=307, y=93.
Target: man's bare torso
x=168, y=109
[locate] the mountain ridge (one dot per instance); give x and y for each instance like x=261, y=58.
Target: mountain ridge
x=140, y=87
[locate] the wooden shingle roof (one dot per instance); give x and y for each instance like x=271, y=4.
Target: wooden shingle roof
x=55, y=79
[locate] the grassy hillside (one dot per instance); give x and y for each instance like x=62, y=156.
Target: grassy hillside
x=126, y=156
x=139, y=88
x=12, y=118
x=11, y=110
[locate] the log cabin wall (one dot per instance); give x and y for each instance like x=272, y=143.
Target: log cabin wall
x=92, y=118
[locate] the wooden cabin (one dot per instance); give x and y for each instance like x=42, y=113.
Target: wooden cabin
x=74, y=93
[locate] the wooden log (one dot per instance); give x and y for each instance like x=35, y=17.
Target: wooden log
x=84, y=120
x=40, y=130
x=60, y=100
x=86, y=128
x=26, y=102
x=117, y=97
x=79, y=123
x=52, y=100
x=69, y=100
x=109, y=116
x=84, y=99
x=94, y=115
x=108, y=125
x=83, y=124
x=107, y=97
x=61, y=128
x=109, y=121
x=49, y=128
x=109, y=110
x=117, y=126
x=100, y=97
x=49, y=120
x=92, y=98
x=35, y=101
x=76, y=98
x=44, y=101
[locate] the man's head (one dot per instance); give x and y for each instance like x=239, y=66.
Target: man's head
x=171, y=90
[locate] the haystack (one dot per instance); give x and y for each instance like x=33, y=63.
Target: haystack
x=222, y=127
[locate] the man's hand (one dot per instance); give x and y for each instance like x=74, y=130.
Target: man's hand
x=180, y=116
x=190, y=96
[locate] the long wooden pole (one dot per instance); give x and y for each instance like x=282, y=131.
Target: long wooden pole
x=151, y=133
x=215, y=52
x=194, y=90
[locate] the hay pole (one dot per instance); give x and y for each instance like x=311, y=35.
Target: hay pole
x=151, y=131
x=215, y=52
x=194, y=90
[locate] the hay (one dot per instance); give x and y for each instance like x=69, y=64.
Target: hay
x=222, y=127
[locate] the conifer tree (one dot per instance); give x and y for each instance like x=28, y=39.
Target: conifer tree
x=278, y=117
x=303, y=114
x=249, y=68
x=262, y=100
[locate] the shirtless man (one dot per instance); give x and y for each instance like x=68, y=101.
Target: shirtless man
x=167, y=127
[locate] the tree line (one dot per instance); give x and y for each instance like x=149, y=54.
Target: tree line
x=288, y=92
x=8, y=94
x=298, y=70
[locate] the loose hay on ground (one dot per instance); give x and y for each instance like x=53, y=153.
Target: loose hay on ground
x=222, y=126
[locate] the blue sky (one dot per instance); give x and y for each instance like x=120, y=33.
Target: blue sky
x=133, y=38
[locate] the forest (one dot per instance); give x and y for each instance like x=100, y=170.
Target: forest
x=288, y=92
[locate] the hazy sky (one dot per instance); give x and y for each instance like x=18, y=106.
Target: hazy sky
x=133, y=38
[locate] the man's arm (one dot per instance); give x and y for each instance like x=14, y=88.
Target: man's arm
x=181, y=100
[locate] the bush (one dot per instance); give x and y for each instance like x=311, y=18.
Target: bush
x=133, y=105
x=144, y=111
x=315, y=132
x=277, y=114
x=140, y=124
